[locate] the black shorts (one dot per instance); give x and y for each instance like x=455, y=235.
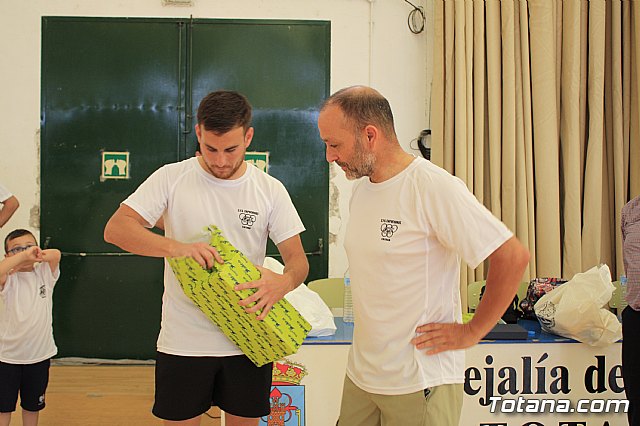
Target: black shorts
x=187, y=387
x=30, y=380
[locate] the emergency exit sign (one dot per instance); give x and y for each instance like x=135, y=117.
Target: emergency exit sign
x=115, y=165
x=258, y=159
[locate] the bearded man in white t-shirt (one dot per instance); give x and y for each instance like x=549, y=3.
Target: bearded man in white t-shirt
x=197, y=366
x=410, y=223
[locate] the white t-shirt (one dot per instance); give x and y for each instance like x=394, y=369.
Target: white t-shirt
x=26, y=321
x=247, y=210
x=404, y=241
x=4, y=194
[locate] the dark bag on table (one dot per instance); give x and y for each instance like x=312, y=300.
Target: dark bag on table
x=538, y=287
x=512, y=313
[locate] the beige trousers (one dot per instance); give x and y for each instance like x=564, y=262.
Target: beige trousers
x=436, y=406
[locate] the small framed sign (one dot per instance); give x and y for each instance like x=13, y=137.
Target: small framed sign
x=258, y=159
x=115, y=165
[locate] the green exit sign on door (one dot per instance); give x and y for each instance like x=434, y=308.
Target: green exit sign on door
x=115, y=165
x=258, y=159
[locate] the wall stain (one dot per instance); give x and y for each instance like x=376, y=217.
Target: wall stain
x=334, y=205
x=34, y=212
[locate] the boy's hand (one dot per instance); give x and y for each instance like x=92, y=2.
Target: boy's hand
x=31, y=255
x=21, y=260
x=52, y=257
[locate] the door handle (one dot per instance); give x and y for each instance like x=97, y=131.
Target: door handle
x=89, y=254
x=317, y=252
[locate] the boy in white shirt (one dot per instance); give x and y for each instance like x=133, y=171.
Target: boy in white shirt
x=27, y=277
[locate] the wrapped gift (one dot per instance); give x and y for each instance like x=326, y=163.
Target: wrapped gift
x=280, y=334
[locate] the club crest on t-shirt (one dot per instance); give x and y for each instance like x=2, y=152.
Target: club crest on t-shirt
x=247, y=218
x=388, y=228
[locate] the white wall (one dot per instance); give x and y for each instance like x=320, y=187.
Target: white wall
x=370, y=44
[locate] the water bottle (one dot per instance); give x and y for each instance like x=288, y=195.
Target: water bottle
x=347, y=312
x=623, y=296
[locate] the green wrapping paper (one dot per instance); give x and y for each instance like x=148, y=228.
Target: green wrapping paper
x=280, y=334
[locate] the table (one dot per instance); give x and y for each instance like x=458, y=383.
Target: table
x=543, y=367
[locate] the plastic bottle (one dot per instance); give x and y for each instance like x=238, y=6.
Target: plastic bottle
x=623, y=296
x=347, y=312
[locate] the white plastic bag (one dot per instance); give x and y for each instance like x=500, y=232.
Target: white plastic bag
x=576, y=309
x=308, y=303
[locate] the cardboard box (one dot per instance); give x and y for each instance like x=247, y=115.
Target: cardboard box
x=280, y=334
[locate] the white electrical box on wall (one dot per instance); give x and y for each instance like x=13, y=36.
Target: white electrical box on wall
x=177, y=2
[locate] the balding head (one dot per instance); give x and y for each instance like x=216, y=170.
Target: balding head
x=363, y=106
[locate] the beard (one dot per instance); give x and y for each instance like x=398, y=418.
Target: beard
x=223, y=172
x=362, y=162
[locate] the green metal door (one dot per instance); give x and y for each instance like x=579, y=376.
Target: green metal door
x=130, y=86
x=283, y=68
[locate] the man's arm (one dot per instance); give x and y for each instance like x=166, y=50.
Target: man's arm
x=160, y=223
x=9, y=207
x=272, y=287
x=127, y=229
x=296, y=265
x=506, y=266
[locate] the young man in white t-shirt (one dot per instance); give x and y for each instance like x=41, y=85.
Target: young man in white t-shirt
x=27, y=278
x=410, y=223
x=9, y=204
x=197, y=366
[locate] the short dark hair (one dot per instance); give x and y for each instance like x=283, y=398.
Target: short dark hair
x=17, y=233
x=224, y=110
x=363, y=106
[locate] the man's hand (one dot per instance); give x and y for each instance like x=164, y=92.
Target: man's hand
x=202, y=253
x=440, y=337
x=127, y=229
x=270, y=289
x=506, y=266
